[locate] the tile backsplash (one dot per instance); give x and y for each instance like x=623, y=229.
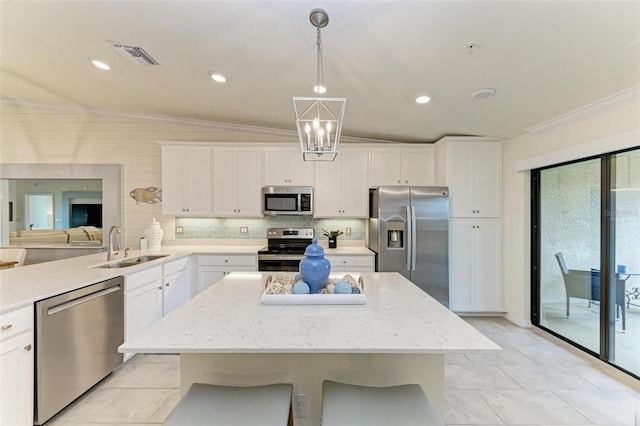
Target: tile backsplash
x=208, y=228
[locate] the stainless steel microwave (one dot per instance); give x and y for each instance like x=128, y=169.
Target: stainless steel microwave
x=287, y=200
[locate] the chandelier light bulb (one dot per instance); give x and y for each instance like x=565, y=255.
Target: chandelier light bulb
x=316, y=123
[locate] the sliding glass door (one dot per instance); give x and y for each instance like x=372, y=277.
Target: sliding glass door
x=624, y=220
x=570, y=250
x=586, y=255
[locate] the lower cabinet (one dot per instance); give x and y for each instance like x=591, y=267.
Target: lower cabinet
x=475, y=265
x=143, y=301
x=151, y=294
x=16, y=367
x=212, y=268
x=177, y=284
x=351, y=263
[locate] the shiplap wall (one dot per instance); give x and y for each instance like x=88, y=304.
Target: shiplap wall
x=35, y=135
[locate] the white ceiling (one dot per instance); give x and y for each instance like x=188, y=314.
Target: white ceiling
x=544, y=58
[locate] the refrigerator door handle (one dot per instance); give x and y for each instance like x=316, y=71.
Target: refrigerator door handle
x=413, y=238
x=409, y=237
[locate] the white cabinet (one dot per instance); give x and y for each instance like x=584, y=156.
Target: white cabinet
x=472, y=169
x=143, y=300
x=212, y=268
x=153, y=293
x=176, y=276
x=237, y=181
x=401, y=165
x=341, y=186
x=186, y=180
x=283, y=166
x=475, y=259
x=351, y=263
x=16, y=367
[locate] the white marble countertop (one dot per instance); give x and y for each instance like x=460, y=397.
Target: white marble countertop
x=27, y=284
x=229, y=317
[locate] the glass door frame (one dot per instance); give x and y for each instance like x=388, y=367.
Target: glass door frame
x=607, y=256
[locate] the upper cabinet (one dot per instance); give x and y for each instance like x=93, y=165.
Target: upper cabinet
x=402, y=165
x=237, y=181
x=341, y=187
x=283, y=166
x=186, y=180
x=472, y=169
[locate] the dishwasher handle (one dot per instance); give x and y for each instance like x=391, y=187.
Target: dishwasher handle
x=75, y=302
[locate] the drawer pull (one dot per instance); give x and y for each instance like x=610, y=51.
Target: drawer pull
x=6, y=327
x=27, y=348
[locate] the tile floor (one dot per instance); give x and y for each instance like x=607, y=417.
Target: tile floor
x=535, y=380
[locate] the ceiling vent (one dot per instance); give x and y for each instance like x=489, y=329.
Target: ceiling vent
x=134, y=54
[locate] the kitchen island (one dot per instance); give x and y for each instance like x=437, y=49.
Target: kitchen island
x=226, y=335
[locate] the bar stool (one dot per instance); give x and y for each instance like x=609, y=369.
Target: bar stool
x=404, y=405
x=216, y=405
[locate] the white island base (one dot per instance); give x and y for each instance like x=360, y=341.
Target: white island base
x=307, y=371
x=225, y=335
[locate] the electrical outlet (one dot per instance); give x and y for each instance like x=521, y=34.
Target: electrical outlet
x=348, y=231
x=299, y=403
x=244, y=230
x=179, y=229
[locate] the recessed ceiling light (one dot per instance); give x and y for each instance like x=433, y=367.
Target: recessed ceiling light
x=216, y=76
x=423, y=99
x=483, y=93
x=100, y=64
x=320, y=89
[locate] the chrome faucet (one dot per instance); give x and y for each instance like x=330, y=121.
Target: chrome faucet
x=111, y=251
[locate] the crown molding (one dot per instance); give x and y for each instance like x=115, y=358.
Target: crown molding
x=601, y=106
x=214, y=125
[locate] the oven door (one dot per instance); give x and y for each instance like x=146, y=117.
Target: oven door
x=279, y=263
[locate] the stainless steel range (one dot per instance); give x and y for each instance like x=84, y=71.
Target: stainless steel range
x=285, y=249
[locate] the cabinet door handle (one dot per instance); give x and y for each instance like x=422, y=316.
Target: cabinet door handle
x=160, y=288
x=27, y=348
x=6, y=327
x=167, y=285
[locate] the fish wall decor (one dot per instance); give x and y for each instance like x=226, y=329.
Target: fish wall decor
x=148, y=195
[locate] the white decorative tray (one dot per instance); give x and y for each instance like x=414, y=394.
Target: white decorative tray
x=315, y=299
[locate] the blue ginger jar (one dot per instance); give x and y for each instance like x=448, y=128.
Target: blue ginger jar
x=314, y=267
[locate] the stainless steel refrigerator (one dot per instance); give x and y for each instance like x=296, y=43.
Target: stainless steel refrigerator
x=408, y=230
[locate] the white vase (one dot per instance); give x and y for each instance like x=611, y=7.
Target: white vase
x=153, y=234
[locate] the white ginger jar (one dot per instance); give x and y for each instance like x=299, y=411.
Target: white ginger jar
x=153, y=234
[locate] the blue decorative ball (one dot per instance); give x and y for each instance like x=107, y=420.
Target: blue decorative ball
x=301, y=288
x=355, y=290
x=343, y=288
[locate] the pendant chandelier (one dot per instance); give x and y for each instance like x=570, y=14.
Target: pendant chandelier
x=319, y=119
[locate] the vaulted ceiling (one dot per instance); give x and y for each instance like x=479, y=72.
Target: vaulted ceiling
x=543, y=58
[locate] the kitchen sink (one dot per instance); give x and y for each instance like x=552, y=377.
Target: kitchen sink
x=124, y=263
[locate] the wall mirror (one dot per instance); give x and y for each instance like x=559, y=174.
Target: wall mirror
x=58, y=196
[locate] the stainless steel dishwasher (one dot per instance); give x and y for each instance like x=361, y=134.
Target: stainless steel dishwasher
x=77, y=339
